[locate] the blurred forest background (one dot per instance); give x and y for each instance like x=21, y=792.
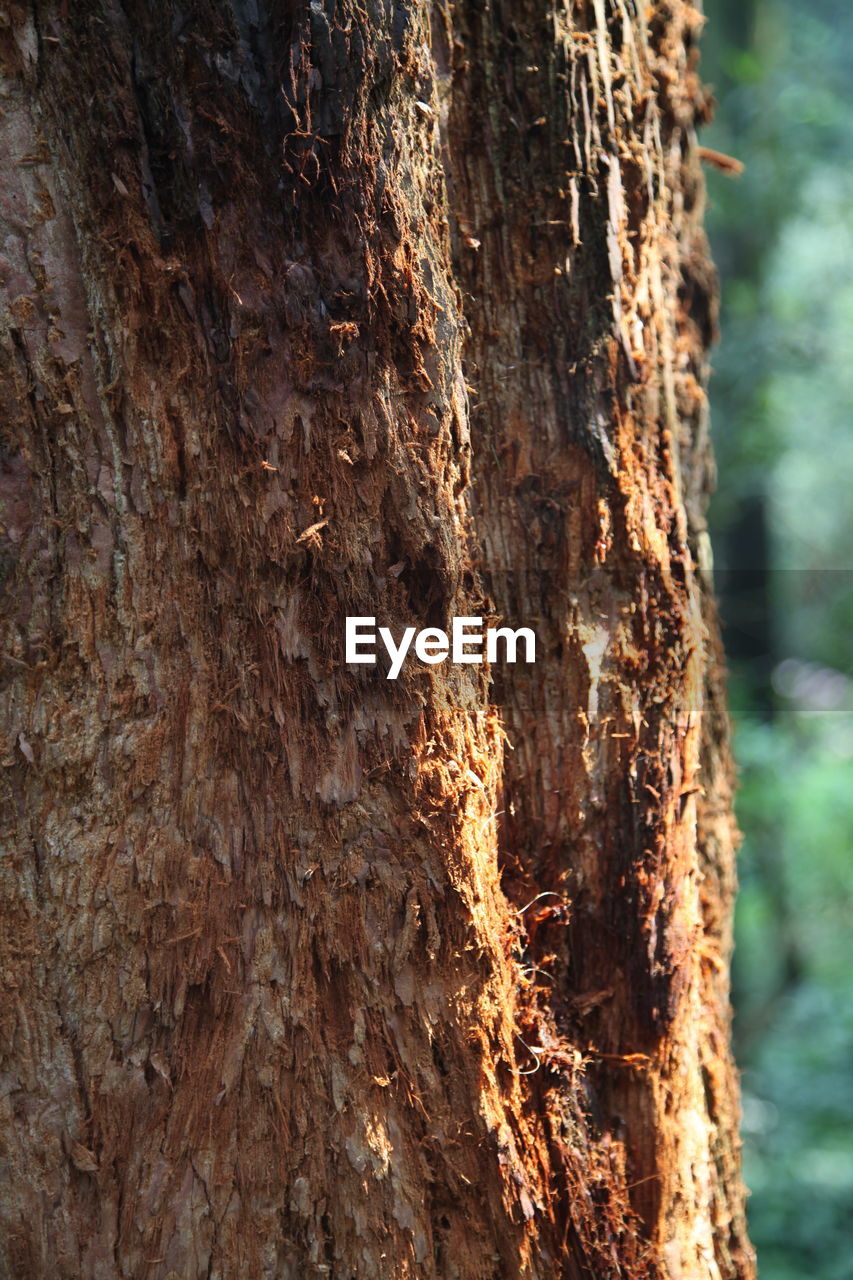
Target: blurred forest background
x=781, y=524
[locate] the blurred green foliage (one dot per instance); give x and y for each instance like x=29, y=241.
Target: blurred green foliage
x=782, y=526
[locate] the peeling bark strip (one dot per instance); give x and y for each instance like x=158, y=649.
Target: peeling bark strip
x=360, y=309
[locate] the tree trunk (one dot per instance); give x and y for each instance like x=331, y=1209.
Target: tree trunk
x=360, y=308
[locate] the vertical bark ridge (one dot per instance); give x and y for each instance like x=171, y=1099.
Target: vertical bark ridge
x=570, y=139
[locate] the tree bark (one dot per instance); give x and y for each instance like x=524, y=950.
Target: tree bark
x=360, y=308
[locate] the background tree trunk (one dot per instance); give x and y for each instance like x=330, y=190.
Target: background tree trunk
x=359, y=308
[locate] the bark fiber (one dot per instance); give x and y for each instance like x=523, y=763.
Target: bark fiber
x=359, y=308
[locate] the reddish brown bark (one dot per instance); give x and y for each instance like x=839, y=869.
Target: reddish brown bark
x=340, y=309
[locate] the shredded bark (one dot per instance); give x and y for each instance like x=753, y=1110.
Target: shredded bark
x=336, y=309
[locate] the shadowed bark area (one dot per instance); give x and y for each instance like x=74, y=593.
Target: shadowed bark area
x=384, y=309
